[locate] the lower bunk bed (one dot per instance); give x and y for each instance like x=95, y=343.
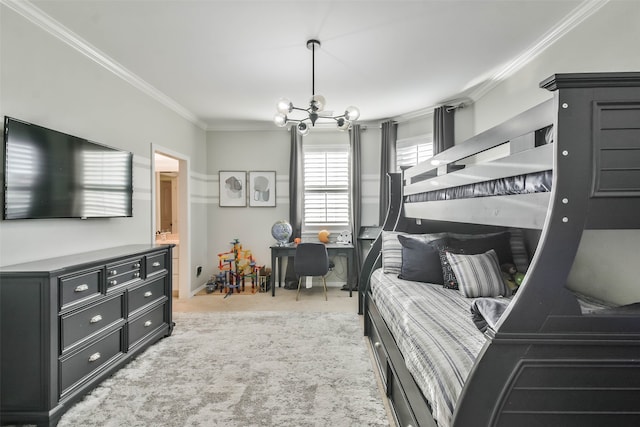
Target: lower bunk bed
x=439, y=333
x=457, y=339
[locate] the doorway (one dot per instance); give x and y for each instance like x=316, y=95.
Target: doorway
x=170, y=213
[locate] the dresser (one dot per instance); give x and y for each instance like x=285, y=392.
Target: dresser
x=67, y=323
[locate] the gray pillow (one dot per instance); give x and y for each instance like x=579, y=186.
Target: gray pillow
x=392, y=249
x=420, y=261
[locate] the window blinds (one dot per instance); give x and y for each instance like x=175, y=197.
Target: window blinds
x=326, y=185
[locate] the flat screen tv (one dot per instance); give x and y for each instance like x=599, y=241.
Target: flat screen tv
x=49, y=174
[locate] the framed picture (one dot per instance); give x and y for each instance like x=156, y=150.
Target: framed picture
x=233, y=188
x=262, y=188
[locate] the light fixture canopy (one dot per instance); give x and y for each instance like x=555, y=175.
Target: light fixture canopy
x=314, y=112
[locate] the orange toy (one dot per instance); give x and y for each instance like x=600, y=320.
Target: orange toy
x=323, y=236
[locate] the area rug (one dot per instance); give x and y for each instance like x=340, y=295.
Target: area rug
x=244, y=369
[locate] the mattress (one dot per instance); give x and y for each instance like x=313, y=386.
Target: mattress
x=536, y=182
x=434, y=332
x=436, y=335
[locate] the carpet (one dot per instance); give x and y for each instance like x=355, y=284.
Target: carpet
x=244, y=369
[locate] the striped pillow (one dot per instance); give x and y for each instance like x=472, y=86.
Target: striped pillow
x=478, y=275
x=391, y=252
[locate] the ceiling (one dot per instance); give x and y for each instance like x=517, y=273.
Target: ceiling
x=224, y=64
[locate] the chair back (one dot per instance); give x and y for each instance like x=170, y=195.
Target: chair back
x=311, y=259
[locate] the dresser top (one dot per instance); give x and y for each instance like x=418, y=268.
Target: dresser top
x=76, y=261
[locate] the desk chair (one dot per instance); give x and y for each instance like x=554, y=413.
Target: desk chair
x=311, y=259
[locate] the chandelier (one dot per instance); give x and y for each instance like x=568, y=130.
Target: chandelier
x=315, y=111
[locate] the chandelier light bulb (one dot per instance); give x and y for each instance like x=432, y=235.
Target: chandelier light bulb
x=280, y=119
x=318, y=101
x=303, y=129
x=352, y=113
x=284, y=106
x=343, y=124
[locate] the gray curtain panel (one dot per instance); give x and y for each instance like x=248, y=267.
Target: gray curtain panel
x=387, y=164
x=295, y=200
x=356, y=203
x=443, y=121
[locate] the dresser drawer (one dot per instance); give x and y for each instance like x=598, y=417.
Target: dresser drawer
x=124, y=272
x=122, y=279
x=156, y=263
x=124, y=267
x=147, y=323
x=146, y=294
x=76, y=288
x=81, y=365
x=81, y=324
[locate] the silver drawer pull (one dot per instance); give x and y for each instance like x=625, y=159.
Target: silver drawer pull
x=113, y=272
x=82, y=288
x=95, y=319
x=148, y=294
x=147, y=323
x=113, y=282
x=94, y=357
x=136, y=274
x=155, y=264
x=136, y=265
x=377, y=344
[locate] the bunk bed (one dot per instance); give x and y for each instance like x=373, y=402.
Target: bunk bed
x=558, y=180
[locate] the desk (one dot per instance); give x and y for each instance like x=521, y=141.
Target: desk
x=334, y=249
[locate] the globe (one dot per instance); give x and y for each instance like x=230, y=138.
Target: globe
x=281, y=231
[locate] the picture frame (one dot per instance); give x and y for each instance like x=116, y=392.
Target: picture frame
x=262, y=189
x=232, y=188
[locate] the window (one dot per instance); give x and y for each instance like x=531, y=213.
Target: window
x=411, y=151
x=326, y=186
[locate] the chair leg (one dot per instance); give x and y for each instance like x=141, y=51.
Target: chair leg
x=324, y=282
x=299, y=282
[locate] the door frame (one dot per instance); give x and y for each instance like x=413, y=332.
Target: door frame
x=184, y=215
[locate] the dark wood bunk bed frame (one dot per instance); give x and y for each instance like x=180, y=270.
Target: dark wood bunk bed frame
x=547, y=363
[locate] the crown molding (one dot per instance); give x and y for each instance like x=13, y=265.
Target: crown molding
x=414, y=114
x=36, y=16
x=572, y=20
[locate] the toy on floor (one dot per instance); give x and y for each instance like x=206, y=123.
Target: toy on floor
x=235, y=266
x=264, y=278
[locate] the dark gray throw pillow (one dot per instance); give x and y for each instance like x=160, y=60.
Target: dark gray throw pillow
x=420, y=261
x=474, y=245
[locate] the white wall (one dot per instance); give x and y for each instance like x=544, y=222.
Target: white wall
x=606, y=41
x=46, y=82
x=245, y=151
